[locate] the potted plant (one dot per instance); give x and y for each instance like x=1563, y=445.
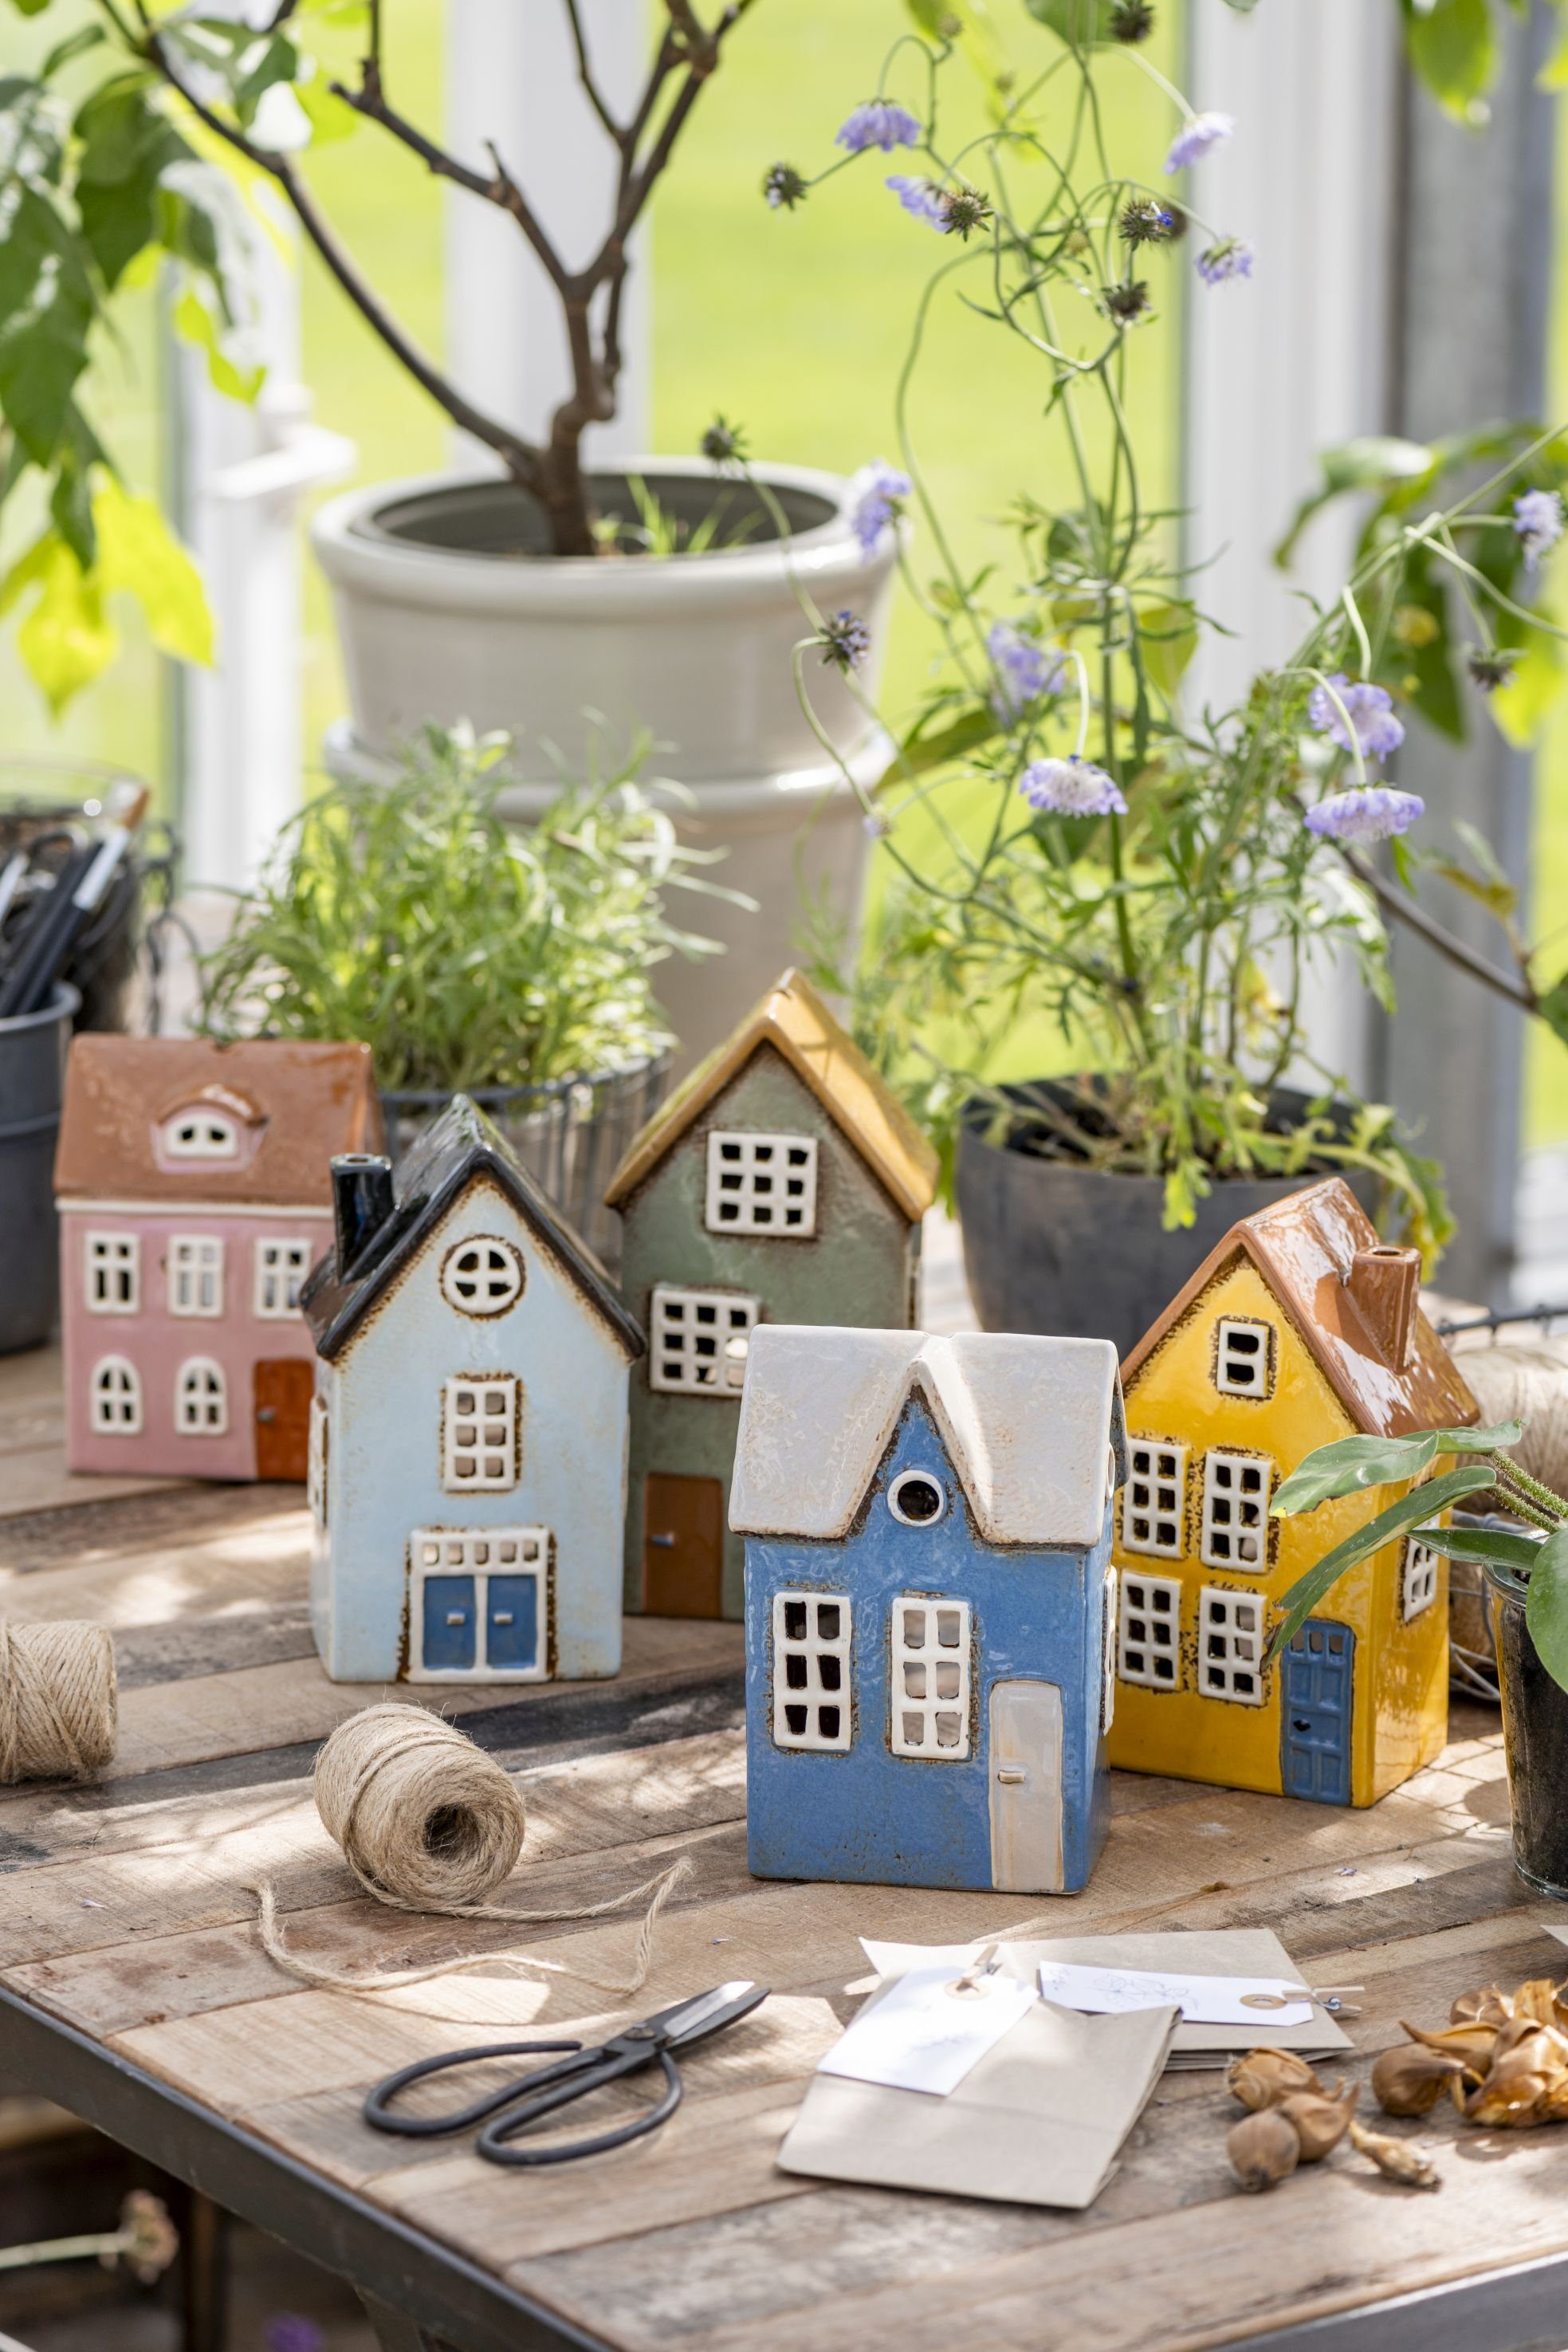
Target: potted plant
x=657, y=597
x=1076, y=853
x=511, y=965
x=1527, y=1572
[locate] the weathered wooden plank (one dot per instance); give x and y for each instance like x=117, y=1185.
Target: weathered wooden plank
x=178, y=1516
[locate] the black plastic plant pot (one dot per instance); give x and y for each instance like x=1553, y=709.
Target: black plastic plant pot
x=1535, y=1735
x=32, y=1077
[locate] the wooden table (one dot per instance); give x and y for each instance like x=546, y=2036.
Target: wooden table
x=134, y=1991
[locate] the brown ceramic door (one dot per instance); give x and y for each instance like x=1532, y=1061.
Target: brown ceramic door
x=282, y=1391
x=683, y=1546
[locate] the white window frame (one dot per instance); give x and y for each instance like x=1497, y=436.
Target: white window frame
x=1228, y=1328
x=1109, y=1619
x=127, y=1392
x=495, y=1463
x=111, y=1264
x=282, y=1263
x=316, y=1460
x=1157, y=1494
x=1239, y=1541
x=740, y=1163
x=195, y=1267
x=201, y=1398
x=925, y=1616
x=1149, y=1605
x=199, y=1133
x=1418, y=1579
x=495, y=1277
x=1235, y=1619
x=678, y=1319
x=481, y=1553
x=816, y=1691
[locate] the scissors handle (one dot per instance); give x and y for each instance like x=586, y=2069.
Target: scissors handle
x=377, y=2104
x=494, y=2139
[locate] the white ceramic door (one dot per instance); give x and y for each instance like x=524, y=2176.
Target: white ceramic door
x=1025, y=1787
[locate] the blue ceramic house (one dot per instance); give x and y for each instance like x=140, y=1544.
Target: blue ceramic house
x=469, y=1432
x=929, y=1605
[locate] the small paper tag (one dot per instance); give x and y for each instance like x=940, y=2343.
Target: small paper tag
x=922, y=2036
x=1203, y=2000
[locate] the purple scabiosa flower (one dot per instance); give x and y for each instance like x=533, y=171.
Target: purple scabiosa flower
x=783, y=185
x=921, y=197
x=1025, y=669
x=959, y=210
x=1370, y=709
x=1197, y=135
x=1538, y=519
x=878, y=124
x=1231, y=257
x=1070, y=787
x=845, y=640
x=879, y=490
x=1126, y=302
x=724, y=444
x=1145, y=221
x=1368, y=812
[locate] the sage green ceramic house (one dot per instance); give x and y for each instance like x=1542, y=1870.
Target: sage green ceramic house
x=782, y=1183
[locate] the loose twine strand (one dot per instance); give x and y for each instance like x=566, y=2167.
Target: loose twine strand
x=428, y=1823
x=58, y=1701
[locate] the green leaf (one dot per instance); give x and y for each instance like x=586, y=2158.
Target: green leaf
x=1453, y=47
x=138, y=552
x=46, y=311
x=1167, y=640
x=1374, y=461
x=1521, y=706
x=1082, y=22
x=1552, y=1008
x=1483, y=1546
x=1349, y=1465
x=330, y=116
x=75, y=45
x=193, y=320
x=1423, y=1503
x=29, y=7
x=66, y=638
x=126, y=146
x=920, y=752
x=1546, y=1610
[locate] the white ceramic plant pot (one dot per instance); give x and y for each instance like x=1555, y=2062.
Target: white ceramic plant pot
x=445, y=612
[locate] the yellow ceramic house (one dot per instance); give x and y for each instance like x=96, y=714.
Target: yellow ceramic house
x=1299, y=1329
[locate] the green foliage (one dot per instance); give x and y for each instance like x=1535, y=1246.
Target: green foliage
x=1453, y=47
x=1422, y=1502
x=464, y=951
x=1546, y=1609
x=66, y=635
x=1352, y=1464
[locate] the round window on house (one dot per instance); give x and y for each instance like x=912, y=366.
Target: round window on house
x=916, y=1498
x=481, y=1277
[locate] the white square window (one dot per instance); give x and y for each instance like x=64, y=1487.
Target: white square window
x=281, y=1271
x=1243, y=1356
x=1148, y=1632
x=930, y=1698
x=811, y=1671
x=1230, y=1645
x=1154, y=1500
x=698, y=1342
x=113, y=1274
x=479, y=1449
x=195, y=1274
x=1419, y=1578
x=116, y=1398
x=201, y=1398
x=1235, y=1530
x=761, y=1185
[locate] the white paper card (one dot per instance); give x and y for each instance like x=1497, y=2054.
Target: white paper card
x=1202, y=2000
x=921, y=2036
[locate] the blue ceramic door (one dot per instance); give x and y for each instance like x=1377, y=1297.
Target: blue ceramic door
x=1317, y=1681
x=479, y=1604
x=450, y=1625
x=512, y=1623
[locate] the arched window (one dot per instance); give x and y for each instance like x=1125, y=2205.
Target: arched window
x=201, y=1135
x=116, y=1397
x=201, y=1398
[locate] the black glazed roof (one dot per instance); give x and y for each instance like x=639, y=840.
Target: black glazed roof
x=445, y=1158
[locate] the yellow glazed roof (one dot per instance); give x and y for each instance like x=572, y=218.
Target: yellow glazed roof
x=793, y=1018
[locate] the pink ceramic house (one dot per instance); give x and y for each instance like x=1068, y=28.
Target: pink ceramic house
x=194, y=1192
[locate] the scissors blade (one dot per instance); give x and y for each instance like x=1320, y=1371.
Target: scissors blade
x=707, y=2012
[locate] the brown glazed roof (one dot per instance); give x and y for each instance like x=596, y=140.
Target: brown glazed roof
x=793, y=1018
x=1302, y=1247
x=295, y=1103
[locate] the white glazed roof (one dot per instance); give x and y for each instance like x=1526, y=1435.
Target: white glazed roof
x=1028, y=1423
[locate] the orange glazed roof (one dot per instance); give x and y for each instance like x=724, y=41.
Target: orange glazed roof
x=793, y=1018
x=295, y=1104
x=1302, y=1247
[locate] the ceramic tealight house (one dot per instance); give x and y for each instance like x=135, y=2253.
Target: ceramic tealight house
x=929, y=1607
x=193, y=1200
x=468, y=1437
x=781, y=1182
x=1300, y=1327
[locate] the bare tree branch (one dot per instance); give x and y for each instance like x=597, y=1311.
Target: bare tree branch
x=1406, y=910
x=585, y=74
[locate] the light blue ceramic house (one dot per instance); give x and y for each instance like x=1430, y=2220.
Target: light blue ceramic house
x=469, y=1431
x=929, y=1605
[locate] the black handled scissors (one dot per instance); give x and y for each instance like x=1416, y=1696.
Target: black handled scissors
x=648, y=2043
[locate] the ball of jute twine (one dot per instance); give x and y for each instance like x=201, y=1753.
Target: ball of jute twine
x=428, y=1823
x=1521, y=1380
x=58, y=1701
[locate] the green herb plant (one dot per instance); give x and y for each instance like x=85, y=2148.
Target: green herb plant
x=466, y=952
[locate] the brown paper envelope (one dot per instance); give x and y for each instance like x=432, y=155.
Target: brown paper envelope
x=1038, y=2121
